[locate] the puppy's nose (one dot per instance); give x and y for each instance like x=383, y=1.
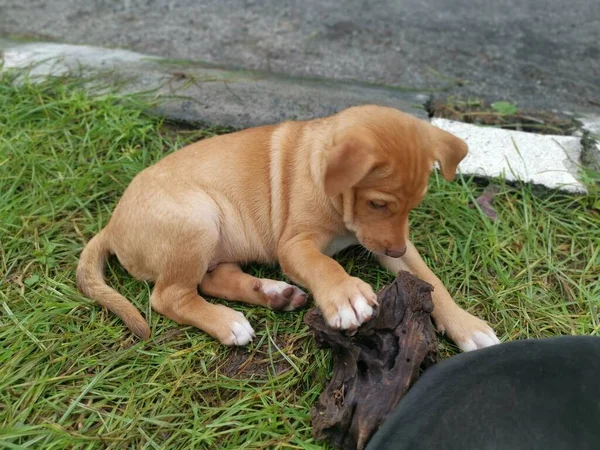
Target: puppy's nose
x=395, y=252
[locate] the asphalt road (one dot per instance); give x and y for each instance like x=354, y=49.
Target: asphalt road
x=542, y=54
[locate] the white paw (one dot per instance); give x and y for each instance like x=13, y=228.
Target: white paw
x=241, y=331
x=345, y=319
x=479, y=339
x=467, y=331
x=280, y=295
x=350, y=305
x=363, y=310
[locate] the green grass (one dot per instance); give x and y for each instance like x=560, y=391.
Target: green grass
x=71, y=376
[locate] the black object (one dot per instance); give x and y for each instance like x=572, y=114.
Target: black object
x=522, y=395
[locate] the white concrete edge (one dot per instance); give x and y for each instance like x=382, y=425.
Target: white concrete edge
x=55, y=59
x=550, y=161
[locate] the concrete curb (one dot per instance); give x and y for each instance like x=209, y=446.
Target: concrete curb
x=197, y=93
x=551, y=161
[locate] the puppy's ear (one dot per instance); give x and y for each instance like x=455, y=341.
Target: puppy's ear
x=448, y=151
x=348, y=159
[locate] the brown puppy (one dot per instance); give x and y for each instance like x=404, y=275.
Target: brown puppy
x=295, y=193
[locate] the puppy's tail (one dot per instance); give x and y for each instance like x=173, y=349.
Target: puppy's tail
x=90, y=281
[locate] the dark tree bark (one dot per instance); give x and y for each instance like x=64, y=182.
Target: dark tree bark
x=375, y=366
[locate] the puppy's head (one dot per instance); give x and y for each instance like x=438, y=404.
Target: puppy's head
x=379, y=161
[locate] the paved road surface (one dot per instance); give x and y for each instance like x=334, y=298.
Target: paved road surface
x=543, y=54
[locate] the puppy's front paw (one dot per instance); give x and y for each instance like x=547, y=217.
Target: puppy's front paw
x=467, y=331
x=348, y=305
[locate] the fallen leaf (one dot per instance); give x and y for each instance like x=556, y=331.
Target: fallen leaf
x=484, y=201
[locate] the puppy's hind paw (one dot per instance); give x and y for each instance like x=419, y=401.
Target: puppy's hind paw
x=240, y=331
x=279, y=295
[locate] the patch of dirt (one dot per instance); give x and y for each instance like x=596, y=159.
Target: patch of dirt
x=242, y=363
x=478, y=112
x=189, y=132
x=16, y=278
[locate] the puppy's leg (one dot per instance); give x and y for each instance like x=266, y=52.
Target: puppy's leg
x=186, y=237
x=466, y=330
x=346, y=302
x=179, y=301
x=229, y=282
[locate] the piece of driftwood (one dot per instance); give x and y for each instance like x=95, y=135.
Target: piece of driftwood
x=376, y=365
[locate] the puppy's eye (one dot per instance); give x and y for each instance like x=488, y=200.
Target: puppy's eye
x=377, y=204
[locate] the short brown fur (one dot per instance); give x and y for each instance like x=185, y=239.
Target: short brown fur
x=292, y=193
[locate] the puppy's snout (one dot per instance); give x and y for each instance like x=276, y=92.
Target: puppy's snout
x=395, y=252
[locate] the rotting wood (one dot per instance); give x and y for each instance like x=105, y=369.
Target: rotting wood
x=375, y=365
